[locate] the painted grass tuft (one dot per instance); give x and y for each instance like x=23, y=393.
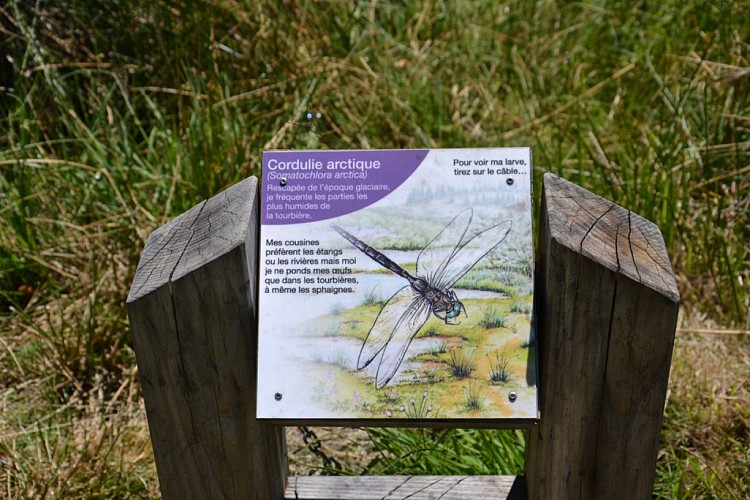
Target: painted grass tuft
x=461, y=364
x=473, y=400
x=499, y=371
x=492, y=318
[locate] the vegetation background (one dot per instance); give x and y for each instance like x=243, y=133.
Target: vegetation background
x=119, y=115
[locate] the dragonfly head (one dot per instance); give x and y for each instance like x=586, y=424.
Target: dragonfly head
x=458, y=306
x=445, y=304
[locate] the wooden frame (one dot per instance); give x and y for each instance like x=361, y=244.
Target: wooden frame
x=606, y=311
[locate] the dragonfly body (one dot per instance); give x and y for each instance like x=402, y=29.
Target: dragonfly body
x=445, y=259
x=443, y=303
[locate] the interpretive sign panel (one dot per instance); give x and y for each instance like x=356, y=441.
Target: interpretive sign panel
x=396, y=284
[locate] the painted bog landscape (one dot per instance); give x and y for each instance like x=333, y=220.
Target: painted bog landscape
x=396, y=285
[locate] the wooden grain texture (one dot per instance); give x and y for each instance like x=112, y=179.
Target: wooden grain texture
x=403, y=487
x=192, y=311
x=607, y=304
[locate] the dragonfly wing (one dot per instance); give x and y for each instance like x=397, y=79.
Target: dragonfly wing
x=432, y=261
x=395, y=314
x=394, y=351
x=469, y=254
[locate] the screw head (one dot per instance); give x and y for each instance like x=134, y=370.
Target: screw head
x=512, y=397
x=509, y=181
x=282, y=181
x=277, y=396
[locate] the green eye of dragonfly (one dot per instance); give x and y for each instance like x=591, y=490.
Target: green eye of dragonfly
x=453, y=313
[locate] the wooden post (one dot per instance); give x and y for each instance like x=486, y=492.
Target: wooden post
x=607, y=304
x=192, y=312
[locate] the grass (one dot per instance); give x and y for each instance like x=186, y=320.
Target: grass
x=444, y=452
x=492, y=318
x=437, y=348
x=371, y=297
x=430, y=331
x=432, y=376
x=520, y=308
x=461, y=365
x=704, y=445
x=118, y=116
x=339, y=359
x=499, y=371
x=473, y=400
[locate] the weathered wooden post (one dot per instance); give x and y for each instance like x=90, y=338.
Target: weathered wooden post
x=607, y=305
x=192, y=311
x=607, y=308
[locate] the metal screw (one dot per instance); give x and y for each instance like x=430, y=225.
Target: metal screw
x=277, y=396
x=282, y=182
x=509, y=181
x=512, y=397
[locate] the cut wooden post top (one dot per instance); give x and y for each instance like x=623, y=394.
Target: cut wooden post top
x=585, y=223
x=210, y=229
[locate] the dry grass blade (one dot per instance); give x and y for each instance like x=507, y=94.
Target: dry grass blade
x=585, y=95
x=713, y=331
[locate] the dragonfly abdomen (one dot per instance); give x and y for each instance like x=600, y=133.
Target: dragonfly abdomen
x=373, y=254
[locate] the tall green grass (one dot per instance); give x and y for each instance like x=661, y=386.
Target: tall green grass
x=117, y=116
x=446, y=452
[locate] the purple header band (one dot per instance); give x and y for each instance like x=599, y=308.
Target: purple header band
x=309, y=186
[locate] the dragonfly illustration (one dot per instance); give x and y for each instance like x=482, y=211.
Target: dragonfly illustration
x=444, y=260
